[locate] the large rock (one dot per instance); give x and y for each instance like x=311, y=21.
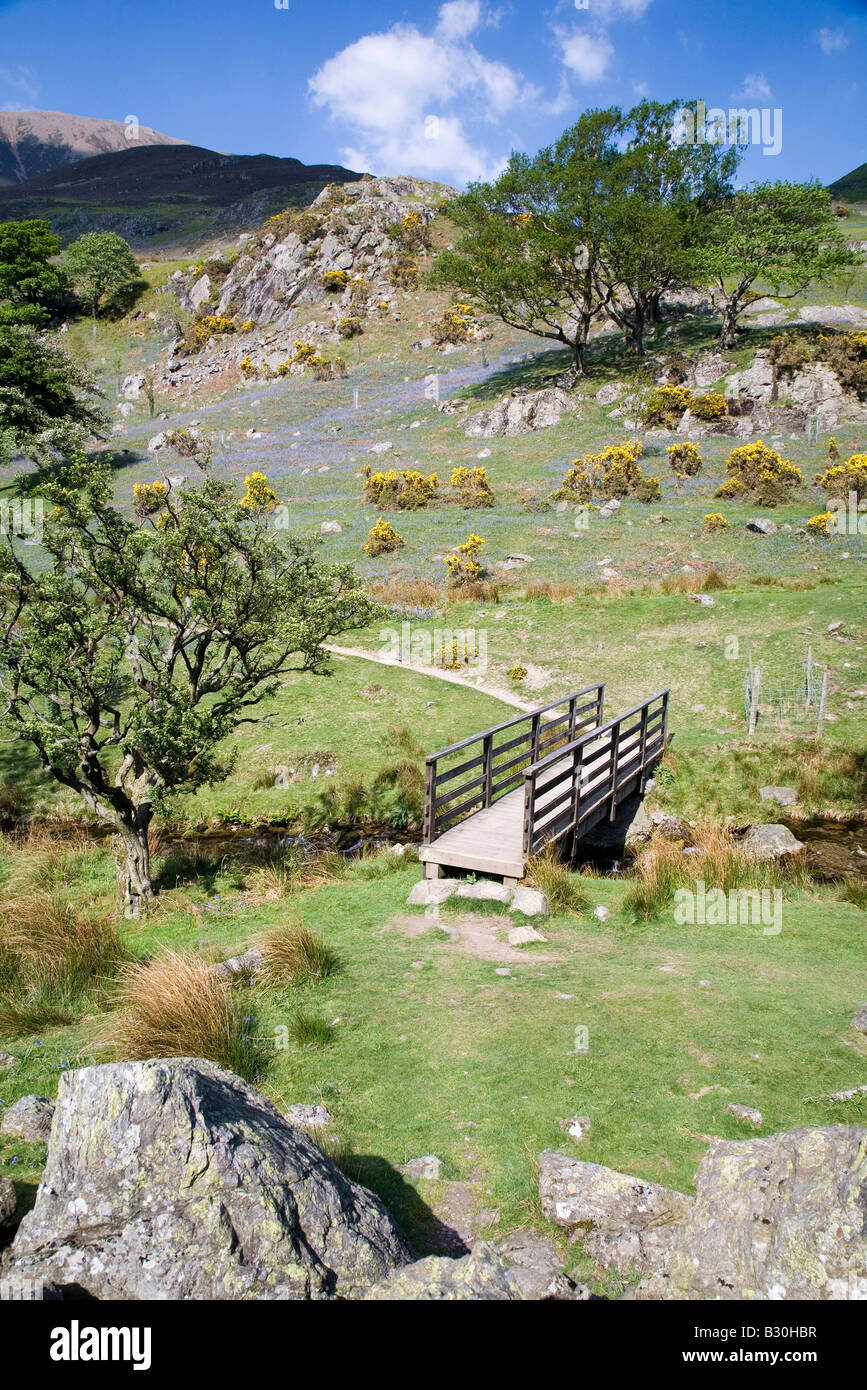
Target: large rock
x=537, y=410
x=176, y=1180
x=776, y=1218
x=770, y=842
x=626, y=1223
x=28, y=1118
x=8, y=1201
x=537, y=1268
x=757, y=381
x=481, y=1276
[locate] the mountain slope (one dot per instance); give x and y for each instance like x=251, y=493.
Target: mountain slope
x=36, y=142
x=852, y=186
x=167, y=192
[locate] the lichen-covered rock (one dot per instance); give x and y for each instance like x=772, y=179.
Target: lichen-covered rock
x=8, y=1201
x=626, y=1223
x=859, y=1022
x=28, y=1118
x=536, y=410
x=431, y=892
x=530, y=902
x=174, y=1179
x=481, y=1276
x=770, y=842
x=775, y=1218
x=537, y=1268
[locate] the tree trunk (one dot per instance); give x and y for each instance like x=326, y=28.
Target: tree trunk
x=729, y=333
x=637, y=331
x=134, y=864
x=579, y=352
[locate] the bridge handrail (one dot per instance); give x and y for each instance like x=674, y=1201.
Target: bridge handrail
x=487, y=783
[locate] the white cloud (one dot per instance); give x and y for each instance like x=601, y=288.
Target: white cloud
x=406, y=96
x=605, y=10
x=587, y=55
x=755, y=88
x=641, y=90
x=21, y=79
x=832, y=40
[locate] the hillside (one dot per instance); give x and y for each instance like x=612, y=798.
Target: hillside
x=38, y=142
x=180, y=193
x=851, y=186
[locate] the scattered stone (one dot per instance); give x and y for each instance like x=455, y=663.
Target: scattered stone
x=6, y=1059
x=836, y=626
x=612, y=391
x=523, y=936
x=481, y=1276
x=763, y=525
x=502, y=970
x=747, y=1113
x=173, y=1179
x=245, y=965
x=537, y=1268
x=330, y=528
x=485, y=890
x=774, y=1218
x=28, y=1118
x=530, y=902
x=626, y=1223
x=848, y=1095
x=609, y=508
x=601, y=913
x=859, y=1022
x=430, y=892
x=784, y=796
x=428, y=1167
x=770, y=841
x=578, y=1126
x=309, y=1116
x=383, y=448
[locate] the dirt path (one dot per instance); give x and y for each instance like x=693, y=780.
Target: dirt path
x=454, y=677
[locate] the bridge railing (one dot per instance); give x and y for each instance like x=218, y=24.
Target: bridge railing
x=570, y=790
x=467, y=776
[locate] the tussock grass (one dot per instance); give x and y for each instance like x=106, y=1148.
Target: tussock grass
x=562, y=888
x=553, y=591
x=307, y=1029
x=293, y=956
x=854, y=891
x=410, y=590
x=177, y=1006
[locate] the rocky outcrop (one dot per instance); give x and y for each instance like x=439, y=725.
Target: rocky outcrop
x=627, y=1224
x=481, y=1276
x=537, y=410
x=8, y=1202
x=775, y=1218
x=28, y=1118
x=174, y=1179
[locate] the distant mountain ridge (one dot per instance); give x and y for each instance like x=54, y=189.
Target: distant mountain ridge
x=852, y=187
x=36, y=142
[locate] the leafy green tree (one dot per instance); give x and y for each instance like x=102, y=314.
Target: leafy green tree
x=47, y=403
x=531, y=241
x=773, y=238
x=130, y=658
x=99, y=264
x=30, y=286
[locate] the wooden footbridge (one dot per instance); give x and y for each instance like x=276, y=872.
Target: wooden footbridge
x=545, y=777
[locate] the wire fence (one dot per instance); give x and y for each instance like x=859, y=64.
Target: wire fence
x=791, y=696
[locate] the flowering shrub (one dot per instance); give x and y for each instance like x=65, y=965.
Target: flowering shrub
x=247, y=367
x=846, y=355
x=715, y=521
x=259, y=496
x=757, y=472
x=327, y=368
x=788, y=355
x=684, y=458
x=517, y=673
x=833, y=451
x=473, y=487
x=405, y=491
x=454, y=326
x=383, y=539
x=710, y=406
x=335, y=280
x=208, y=326
x=825, y=524
x=463, y=562
x=303, y=352
x=614, y=472
x=359, y=293
x=148, y=498
x=404, y=272
x=247, y=326
x=666, y=404
x=843, y=478
x=350, y=327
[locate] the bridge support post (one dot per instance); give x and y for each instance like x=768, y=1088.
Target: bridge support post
x=431, y=870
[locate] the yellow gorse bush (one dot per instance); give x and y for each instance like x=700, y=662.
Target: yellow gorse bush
x=259, y=496
x=473, y=486
x=715, y=521
x=405, y=490
x=613, y=472
x=382, y=539
x=843, y=478
x=149, y=498
x=825, y=524
x=759, y=473
x=463, y=562
x=684, y=457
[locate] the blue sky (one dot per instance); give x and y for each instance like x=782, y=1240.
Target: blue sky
x=442, y=90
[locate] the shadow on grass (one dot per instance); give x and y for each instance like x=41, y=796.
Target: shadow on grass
x=428, y=1234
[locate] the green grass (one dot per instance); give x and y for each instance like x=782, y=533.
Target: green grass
x=417, y=1048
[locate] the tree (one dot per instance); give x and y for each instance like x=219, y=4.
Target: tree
x=99, y=263
x=131, y=657
x=47, y=403
x=30, y=286
x=532, y=240
x=770, y=237
x=660, y=194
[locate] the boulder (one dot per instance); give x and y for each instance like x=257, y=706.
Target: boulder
x=173, y=1179
x=784, y=796
x=625, y=1222
x=28, y=1118
x=770, y=841
x=537, y=410
x=481, y=1276
x=485, y=890
x=530, y=902
x=309, y=1116
x=523, y=936
x=859, y=1022
x=330, y=528
x=748, y=1113
x=774, y=1218
x=428, y=1167
x=244, y=965
x=762, y=525
x=832, y=313
x=757, y=381
x=430, y=892
x=612, y=391
x=537, y=1268
x=200, y=292
x=133, y=385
